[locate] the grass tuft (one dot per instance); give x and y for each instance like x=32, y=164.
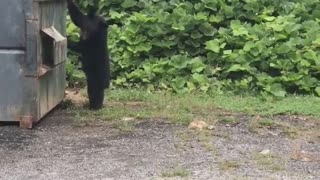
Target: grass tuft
x=176, y=172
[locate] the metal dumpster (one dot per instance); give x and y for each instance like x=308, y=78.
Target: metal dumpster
x=32, y=55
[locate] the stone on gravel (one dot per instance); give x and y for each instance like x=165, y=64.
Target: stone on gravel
x=265, y=152
x=128, y=119
x=197, y=124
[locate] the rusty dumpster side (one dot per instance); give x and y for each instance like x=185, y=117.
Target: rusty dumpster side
x=32, y=55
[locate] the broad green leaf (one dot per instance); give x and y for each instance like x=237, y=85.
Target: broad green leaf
x=198, y=78
x=310, y=55
x=191, y=86
x=277, y=90
x=115, y=15
x=275, y=26
x=178, y=26
x=267, y=18
x=179, y=83
x=283, y=49
x=202, y=16
x=279, y=93
x=197, y=65
x=317, y=90
x=196, y=35
x=207, y=29
x=235, y=68
x=238, y=29
x=128, y=3
x=213, y=45
x=227, y=52
x=248, y=46
x=305, y=63
x=133, y=28
x=317, y=41
x=215, y=18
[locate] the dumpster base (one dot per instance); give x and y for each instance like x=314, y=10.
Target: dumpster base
x=26, y=122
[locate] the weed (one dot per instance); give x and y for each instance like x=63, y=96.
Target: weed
x=288, y=129
x=66, y=104
x=291, y=131
x=124, y=126
x=267, y=122
x=176, y=172
x=229, y=120
x=229, y=165
x=269, y=161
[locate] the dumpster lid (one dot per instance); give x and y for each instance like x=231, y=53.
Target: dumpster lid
x=52, y=32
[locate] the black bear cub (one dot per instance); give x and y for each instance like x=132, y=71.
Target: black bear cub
x=93, y=51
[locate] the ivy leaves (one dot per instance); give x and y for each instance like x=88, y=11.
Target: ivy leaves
x=269, y=46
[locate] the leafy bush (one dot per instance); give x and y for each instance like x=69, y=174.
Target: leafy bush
x=270, y=46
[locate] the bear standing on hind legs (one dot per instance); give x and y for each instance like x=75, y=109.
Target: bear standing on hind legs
x=93, y=50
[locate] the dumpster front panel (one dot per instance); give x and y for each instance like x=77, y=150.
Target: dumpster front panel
x=17, y=94
x=12, y=24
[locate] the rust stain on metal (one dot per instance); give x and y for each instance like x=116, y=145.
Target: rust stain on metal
x=43, y=70
x=26, y=122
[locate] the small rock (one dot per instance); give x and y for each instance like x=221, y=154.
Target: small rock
x=273, y=133
x=211, y=127
x=305, y=157
x=265, y=152
x=198, y=125
x=301, y=155
x=127, y=119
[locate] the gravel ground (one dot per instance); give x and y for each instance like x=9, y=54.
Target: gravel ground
x=59, y=149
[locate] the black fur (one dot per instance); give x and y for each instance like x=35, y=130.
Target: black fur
x=93, y=49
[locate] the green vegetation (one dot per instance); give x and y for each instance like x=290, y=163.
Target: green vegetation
x=229, y=120
x=269, y=162
x=267, y=122
x=229, y=165
x=176, y=172
x=200, y=102
x=266, y=46
x=183, y=108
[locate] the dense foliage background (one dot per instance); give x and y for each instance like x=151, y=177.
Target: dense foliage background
x=268, y=46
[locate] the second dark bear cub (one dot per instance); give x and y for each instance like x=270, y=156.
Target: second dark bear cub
x=92, y=47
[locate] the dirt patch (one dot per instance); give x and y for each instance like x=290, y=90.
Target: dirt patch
x=57, y=149
x=75, y=97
